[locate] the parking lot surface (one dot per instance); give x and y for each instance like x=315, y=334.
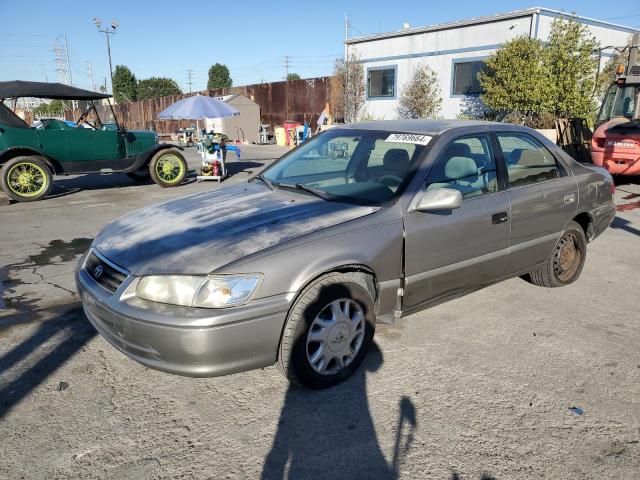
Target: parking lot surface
x=513, y=381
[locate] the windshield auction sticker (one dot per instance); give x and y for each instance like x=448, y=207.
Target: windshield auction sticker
x=408, y=138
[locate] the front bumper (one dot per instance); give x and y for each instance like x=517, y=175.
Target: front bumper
x=194, y=342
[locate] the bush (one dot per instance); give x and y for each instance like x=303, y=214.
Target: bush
x=420, y=96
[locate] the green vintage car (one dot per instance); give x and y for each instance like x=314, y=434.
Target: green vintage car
x=31, y=156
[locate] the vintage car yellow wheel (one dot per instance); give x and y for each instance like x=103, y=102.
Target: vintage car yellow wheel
x=168, y=168
x=26, y=179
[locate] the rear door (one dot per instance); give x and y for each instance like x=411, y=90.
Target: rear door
x=543, y=198
x=452, y=251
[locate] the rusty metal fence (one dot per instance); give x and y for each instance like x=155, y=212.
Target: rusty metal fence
x=295, y=100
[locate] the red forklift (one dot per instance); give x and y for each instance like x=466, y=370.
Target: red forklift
x=615, y=144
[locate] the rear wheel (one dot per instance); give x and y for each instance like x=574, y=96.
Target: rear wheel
x=168, y=168
x=565, y=263
x=26, y=179
x=329, y=331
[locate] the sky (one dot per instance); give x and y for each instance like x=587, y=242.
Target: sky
x=169, y=38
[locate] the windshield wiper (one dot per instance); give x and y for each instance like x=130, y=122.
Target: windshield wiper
x=266, y=181
x=304, y=188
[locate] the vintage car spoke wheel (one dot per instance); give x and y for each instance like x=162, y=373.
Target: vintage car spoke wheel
x=26, y=178
x=565, y=263
x=168, y=168
x=329, y=330
x=335, y=336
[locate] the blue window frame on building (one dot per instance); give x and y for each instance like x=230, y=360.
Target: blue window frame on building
x=381, y=82
x=465, y=76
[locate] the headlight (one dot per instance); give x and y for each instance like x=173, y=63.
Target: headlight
x=215, y=291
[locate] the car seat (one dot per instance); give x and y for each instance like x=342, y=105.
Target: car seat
x=461, y=173
x=396, y=163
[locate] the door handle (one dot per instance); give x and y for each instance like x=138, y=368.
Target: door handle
x=498, y=218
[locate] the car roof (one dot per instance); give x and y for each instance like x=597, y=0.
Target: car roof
x=427, y=126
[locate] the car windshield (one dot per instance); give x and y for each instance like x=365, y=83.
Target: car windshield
x=620, y=101
x=354, y=166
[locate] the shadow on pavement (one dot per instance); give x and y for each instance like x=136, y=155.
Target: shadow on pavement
x=625, y=225
x=77, y=332
x=330, y=433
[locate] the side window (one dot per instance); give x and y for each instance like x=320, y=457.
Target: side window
x=468, y=165
x=527, y=160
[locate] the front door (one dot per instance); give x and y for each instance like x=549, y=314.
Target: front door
x=453, y=251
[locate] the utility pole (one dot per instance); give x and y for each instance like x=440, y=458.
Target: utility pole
x=346, y=112
x=190, y=79
x=90, y=75
x=74, y=103
x=286, y=67
x=107, y=33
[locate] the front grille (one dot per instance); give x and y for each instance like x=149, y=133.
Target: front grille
x=104, y=273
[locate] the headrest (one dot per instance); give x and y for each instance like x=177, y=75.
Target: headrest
x=396, y=159
x=531, y=158
x=458, y=150
x=514, y=156
x=458, y=168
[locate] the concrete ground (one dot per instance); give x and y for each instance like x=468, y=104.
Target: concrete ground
x=480, y=387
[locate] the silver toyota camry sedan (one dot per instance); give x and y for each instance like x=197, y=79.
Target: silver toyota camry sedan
x=362, y=224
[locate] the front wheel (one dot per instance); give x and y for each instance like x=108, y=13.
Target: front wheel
x=329, y=331
x=168, y=167
x=565, y=263
x=26, y=179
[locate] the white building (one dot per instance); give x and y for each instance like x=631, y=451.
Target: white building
x=455, y=51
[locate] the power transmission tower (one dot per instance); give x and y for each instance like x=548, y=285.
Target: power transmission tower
x=44, y=71
x=190, y=79
x=61, y=63
x=90, y=75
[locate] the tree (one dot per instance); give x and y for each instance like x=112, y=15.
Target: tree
x=292, y=76
x=420, y=96
x=124, y=85
x=572, y=66
x=347, y=89
x=516, y=77
x=608, y=74
x=219, y=77
x=54, y=108
x=157, y=87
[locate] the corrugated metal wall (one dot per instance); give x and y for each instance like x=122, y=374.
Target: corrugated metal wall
x=295, y=100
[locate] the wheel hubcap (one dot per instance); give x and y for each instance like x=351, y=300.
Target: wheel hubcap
x=169, y=168
x=26, y=179
x=567, y=257
x=335, y=336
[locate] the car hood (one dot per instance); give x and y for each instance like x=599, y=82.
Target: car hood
x=200, y=233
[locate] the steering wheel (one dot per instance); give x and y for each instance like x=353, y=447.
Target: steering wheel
x=83, y=118
x=390, y=180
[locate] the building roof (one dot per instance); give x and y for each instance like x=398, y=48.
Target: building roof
x=488, y=19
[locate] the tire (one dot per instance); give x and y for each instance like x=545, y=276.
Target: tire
x=168, y=176
x=565, y=263
x=26, y=179
x=301, y=358
x=141, y=175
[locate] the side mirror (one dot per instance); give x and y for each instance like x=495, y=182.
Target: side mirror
x=439, y=199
